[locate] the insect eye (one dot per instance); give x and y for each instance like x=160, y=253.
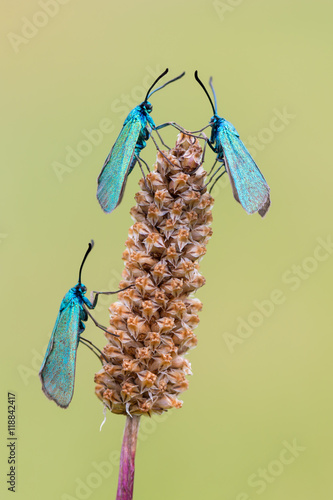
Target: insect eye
x=149, y=107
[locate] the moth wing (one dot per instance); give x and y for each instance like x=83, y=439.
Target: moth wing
x=57, y=373
x=112, y=179
x=249, y=186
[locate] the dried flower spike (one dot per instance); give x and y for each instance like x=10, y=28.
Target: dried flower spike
x=154, y=320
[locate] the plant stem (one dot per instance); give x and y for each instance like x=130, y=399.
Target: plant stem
x=127, y=459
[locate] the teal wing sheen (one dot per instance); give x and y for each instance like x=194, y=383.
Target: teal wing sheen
x=113, y=177
x=248, y=184
x=58, y=378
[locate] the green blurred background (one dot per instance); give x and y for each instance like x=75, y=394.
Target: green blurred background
x=258, y=390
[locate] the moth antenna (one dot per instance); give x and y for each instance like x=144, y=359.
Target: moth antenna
x=211, y=86
x=90, y=247
x=206, y=92
x=153, y=85
x=167, y=83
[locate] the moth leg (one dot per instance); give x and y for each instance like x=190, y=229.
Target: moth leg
x=142, y=171
x=204, y=148
x=97, y=324
x=84, y=340
x=217, y=178
x=160, y=138
x=147, y=166
x=209, y=173
x=181, y=129
x=172, y=124
x=211, y=170
x=212, y=147
x=205, y=138
x=158, y=149
x=201, y=130
x=95, y=299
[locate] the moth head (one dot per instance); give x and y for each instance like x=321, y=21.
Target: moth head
x=81, y=289
x=147, y=106
x=214, y=119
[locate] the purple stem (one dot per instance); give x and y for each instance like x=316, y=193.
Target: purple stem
x=127, y=459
